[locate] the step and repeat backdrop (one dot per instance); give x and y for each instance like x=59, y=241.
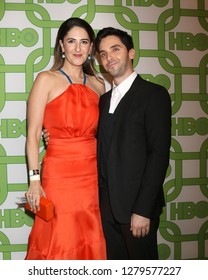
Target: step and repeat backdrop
x=171, y=41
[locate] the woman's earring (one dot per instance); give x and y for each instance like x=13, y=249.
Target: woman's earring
x=63, y=55
x=89, y=56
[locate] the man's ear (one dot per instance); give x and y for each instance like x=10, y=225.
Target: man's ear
x=132, y=54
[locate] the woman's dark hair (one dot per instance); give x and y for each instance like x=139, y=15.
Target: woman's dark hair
x=125, y=38
x=65, y=27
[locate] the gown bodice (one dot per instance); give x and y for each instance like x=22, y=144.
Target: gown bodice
x=74, y=113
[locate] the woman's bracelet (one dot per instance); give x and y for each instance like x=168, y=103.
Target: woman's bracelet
x=34, y=172
x=35, y=177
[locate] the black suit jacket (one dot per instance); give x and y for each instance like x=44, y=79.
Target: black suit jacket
x=138, y=155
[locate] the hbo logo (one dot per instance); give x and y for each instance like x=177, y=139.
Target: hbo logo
x=13, y=37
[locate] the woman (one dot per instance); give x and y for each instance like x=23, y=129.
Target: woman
x=65, y=100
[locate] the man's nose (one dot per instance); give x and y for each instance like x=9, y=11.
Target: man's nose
x=108, y=56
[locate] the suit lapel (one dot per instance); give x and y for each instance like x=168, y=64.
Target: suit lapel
x=104, y=105
x=122, y=107
x=124, y=103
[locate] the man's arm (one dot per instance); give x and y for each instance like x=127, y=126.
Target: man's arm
x=158, y=135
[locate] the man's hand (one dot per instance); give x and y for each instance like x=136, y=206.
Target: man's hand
x=45, y=136
x=140, y=225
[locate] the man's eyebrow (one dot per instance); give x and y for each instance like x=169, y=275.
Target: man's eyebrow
x=111, y=47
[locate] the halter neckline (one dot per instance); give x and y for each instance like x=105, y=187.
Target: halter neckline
x=84, y=82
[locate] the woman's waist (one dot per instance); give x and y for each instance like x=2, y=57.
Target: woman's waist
x=77, y=146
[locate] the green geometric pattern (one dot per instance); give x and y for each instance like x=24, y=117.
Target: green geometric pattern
x=171, y=42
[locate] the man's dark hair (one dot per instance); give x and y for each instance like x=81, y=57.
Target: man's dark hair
x=125, y=38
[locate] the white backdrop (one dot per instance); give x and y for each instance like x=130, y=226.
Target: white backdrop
x=171, y=41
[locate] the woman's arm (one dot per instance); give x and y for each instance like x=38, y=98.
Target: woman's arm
x=35, y=111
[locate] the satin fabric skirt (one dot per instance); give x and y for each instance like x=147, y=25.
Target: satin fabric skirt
x=69, y=178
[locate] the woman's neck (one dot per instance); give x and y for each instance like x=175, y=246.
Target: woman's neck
x=73, y=71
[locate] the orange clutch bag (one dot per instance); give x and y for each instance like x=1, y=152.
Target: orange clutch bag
x=47, y=209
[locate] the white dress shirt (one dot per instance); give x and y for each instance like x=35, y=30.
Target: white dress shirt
x=119, y=91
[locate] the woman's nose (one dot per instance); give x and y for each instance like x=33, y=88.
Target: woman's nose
x=77, y=47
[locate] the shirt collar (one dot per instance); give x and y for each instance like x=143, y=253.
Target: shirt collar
x=124, y=86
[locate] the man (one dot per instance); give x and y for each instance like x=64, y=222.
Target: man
x=134, y=136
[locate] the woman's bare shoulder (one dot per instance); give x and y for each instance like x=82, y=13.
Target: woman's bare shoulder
x=47, y=78
x=47, y=75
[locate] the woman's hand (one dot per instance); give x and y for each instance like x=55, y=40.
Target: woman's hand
x=33, y=195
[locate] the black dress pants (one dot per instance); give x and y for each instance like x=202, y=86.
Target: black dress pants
x=121, y=244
